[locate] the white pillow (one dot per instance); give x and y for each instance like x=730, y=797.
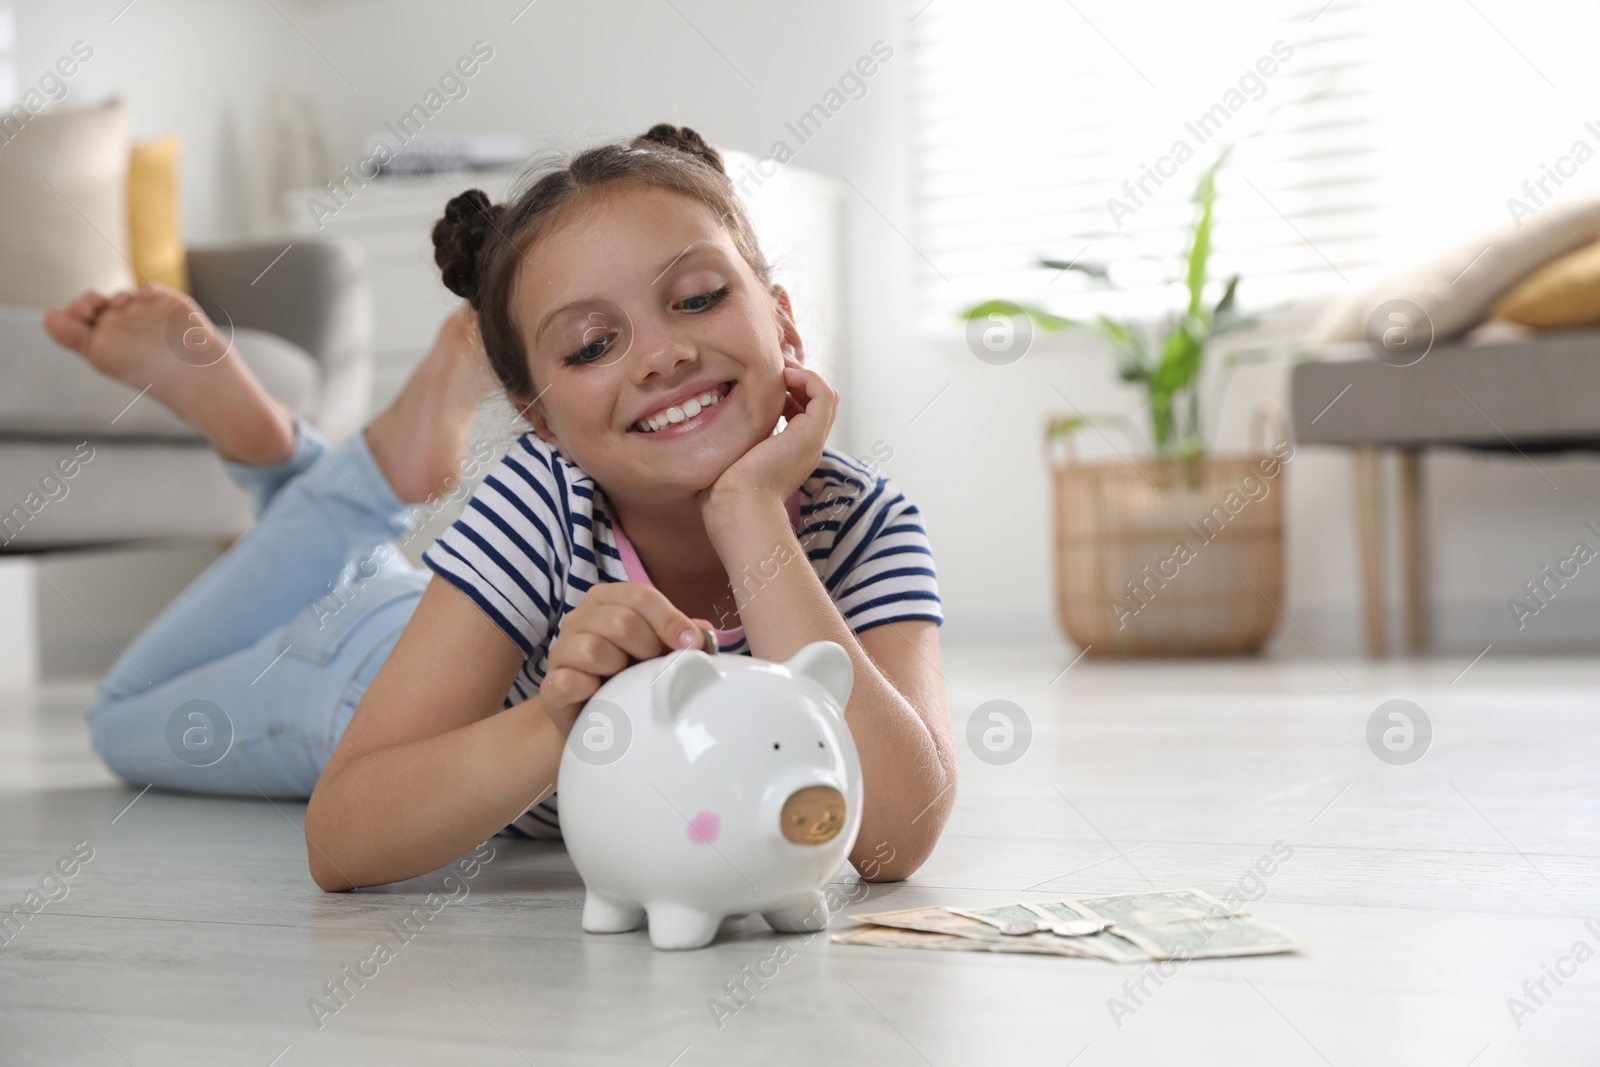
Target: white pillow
x=1458, y=287
x=64, y=206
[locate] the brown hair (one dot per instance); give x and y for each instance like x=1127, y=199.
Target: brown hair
x=480, y=245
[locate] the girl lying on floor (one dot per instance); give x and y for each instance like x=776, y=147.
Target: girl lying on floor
x=623, y=304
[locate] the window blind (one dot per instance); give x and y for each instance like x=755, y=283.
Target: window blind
x=1077, y=131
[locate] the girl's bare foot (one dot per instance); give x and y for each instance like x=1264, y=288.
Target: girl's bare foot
x=158, y=339
x=419, y=439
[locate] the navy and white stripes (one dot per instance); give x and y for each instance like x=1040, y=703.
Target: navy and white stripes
x=538, y=534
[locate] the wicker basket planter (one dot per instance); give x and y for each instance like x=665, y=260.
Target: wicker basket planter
x=1158, y=557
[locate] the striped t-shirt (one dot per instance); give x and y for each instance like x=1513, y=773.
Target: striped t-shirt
x=539, y=532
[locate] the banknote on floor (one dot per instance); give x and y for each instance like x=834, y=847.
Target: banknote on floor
x=1174, y=924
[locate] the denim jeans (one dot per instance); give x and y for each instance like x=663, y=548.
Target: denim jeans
x=246, y=681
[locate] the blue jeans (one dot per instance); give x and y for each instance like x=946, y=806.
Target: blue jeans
x=244, y=683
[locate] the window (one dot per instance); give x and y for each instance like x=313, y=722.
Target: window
x=1366, y=136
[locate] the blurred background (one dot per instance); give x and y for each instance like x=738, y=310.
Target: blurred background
x=907, y=161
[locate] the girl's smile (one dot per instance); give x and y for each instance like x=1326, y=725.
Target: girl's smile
x=684, y=411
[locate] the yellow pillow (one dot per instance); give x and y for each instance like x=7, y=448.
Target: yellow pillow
x=155, y=243
x=1564, y=292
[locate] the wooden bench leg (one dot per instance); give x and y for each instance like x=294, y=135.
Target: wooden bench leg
x=1413, y=550
x=1369, y=525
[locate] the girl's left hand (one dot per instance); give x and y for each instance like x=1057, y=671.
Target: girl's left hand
x=776, y=467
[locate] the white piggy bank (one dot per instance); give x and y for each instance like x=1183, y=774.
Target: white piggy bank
x=696, y=787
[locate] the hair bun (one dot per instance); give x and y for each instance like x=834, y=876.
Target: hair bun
x=458, y=239
x=683, y=139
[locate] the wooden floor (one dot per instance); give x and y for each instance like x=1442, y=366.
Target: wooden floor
x=1430, y=893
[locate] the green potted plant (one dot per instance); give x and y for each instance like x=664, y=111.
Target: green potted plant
x=1176, y=551
x=1165, y=363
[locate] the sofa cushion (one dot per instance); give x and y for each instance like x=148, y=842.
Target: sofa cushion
x=52, y=392
x=155, y=238
x=1561, y=294
x=70, y=492
x=1457, y=288
x=64, y=206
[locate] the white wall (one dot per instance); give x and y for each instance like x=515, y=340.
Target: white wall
x=568, y=74
x=186, y=66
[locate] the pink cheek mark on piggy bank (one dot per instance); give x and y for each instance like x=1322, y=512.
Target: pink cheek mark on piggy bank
x=703, y=828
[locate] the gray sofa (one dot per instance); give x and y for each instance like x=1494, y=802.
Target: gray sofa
x=137, y=473
x=1537, y=394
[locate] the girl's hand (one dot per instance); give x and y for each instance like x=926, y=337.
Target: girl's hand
x=615, y=625
x=776, y=467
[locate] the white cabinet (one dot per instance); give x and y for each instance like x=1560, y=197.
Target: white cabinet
x=391, y=219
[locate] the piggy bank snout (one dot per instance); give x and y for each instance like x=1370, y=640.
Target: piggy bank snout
x=813, y=815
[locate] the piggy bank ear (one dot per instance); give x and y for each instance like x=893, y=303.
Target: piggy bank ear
x=827, y=664
x=690, y=672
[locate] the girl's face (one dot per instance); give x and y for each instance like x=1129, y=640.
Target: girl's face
x=637, y=303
